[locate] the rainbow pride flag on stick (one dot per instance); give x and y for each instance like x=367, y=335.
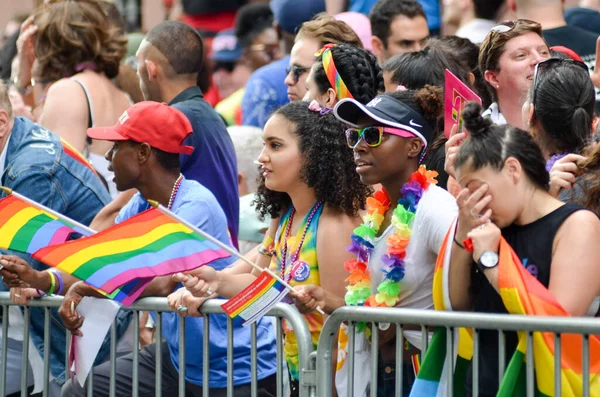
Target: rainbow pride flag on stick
x=145, y=246
x=522, y=294
x=27, y=226
x=255, y=300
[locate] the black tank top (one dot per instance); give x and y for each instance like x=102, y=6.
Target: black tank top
x=533, y=245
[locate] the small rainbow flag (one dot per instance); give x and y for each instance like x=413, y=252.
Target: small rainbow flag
x=27, y=228
x=147, y=245
x=522, y=294
x=256, y=299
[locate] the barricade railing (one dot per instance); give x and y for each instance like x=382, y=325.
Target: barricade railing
x=295, y=320
x=400, y=318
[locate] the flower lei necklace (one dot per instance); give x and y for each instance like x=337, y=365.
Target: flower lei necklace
x=359, y=282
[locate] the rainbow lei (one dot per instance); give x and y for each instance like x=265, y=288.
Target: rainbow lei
x=359, y=282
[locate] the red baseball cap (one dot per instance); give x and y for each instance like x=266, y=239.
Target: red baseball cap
x=157, y=124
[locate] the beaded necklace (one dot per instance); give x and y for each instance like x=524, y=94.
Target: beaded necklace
x=175, y=190
x=359, y=282
x=295, y=255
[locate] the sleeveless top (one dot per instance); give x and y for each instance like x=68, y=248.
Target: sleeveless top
x=99, y=162
x=533, y=245
x=300, y=275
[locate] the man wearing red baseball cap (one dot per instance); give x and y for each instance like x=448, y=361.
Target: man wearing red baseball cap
x=148, y=139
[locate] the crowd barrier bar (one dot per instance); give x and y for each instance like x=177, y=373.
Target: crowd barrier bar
x=584, y=326
x=159, y=305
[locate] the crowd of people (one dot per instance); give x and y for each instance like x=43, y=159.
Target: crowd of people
x=308, y=135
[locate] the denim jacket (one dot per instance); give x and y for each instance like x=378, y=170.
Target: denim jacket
x=38, y=167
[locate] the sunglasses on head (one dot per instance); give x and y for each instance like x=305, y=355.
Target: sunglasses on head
x=507, y=26
x=547, y=64
x=370, y=135
x=297, y=70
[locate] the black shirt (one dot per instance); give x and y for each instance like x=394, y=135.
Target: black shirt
x=533, y=245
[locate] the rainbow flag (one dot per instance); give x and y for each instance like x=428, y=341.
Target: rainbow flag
x=522, y=294
x=147, y=245
x=128, y=293
x=256, y=299
x=26, y=228
x=75, y=155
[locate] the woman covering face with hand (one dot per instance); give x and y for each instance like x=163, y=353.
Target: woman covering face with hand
x=505, y=195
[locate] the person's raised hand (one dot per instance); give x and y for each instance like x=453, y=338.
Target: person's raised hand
x=564, y=173
x=68, y=312
x=185, y=304
x=16, y=272
x=22, y=296
x=485, y=237
x=470, y=207
x=201, y=282
x=308, y=298
x=451, y=147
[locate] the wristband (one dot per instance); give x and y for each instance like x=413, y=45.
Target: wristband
x=458, y=243
x=40, y=292
x=52, y=283
x=61, y=284
x=267, y=247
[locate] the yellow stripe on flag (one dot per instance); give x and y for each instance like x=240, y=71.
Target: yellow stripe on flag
x=71, y=263
x=15, y=223
x=254, y=299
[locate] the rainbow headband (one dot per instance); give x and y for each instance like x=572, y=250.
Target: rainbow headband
x=332, y=74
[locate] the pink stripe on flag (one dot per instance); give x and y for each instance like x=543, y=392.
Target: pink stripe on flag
x=136, y=292
x=61, y=235
x=165, y=268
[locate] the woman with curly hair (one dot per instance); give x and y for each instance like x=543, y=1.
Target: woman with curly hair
x=76, y=51
x=309, y=187
x=397, y=245
x=343, y=71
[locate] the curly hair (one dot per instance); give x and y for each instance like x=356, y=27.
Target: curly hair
x=71, y=33
x=327, y=165
x=357, y=67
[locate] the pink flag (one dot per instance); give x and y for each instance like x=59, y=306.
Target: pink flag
x=456, y=96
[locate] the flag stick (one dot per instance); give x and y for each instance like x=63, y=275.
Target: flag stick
x=230, y=250
x=46, y=209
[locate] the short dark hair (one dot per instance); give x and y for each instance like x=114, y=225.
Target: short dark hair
x=468, y=53
x=563, y=99
x=251, y=20
x=490, y=145
x=180, y=44
x=358, y=69
x=414, y=70
x=168, y=161
x=384, y=11
x=487, y=9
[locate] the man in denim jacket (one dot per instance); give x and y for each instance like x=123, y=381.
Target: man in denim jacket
x=35, y=163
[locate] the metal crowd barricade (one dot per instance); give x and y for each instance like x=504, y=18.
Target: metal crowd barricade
x=452, y=321
x=159, y=305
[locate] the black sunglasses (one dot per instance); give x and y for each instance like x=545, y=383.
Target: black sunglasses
x=547, y=64
x=298, y=70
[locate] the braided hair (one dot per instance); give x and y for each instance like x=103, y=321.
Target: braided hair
x=357, y=67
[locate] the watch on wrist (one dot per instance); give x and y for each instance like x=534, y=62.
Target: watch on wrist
x=488, y=260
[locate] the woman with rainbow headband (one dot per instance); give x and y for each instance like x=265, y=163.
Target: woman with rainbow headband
x=397, y=245
x=343, y=71
x=313, y=195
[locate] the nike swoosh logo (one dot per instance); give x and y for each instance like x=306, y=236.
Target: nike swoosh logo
x=411, y=122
